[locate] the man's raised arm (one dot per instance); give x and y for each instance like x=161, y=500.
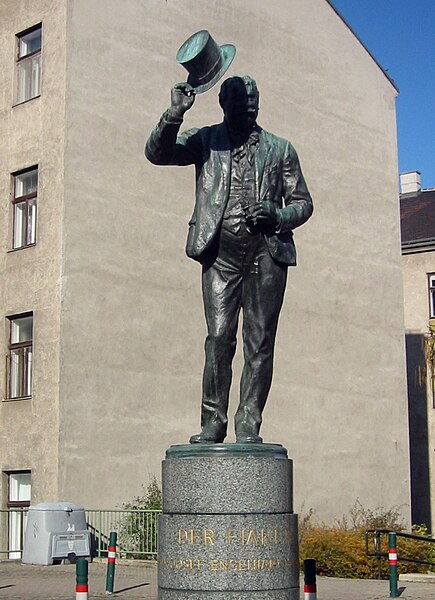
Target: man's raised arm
x=161, y=147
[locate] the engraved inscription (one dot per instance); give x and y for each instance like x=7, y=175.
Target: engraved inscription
x=178, y=564
x=243, y=537
x=196, y=537
x=229, y=564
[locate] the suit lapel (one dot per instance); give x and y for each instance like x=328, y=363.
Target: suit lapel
x=260, y=160
x=222, y=148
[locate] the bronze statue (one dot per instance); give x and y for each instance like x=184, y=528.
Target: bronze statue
x=250, y=195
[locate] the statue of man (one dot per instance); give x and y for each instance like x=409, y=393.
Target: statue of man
x=250, y=195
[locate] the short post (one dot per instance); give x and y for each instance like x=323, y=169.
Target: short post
x=377, y=544
x=111, y=557
x=310, y=588
x=82, y=579
x=392, y=564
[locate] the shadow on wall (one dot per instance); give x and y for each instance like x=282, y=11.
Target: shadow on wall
x=418, y=431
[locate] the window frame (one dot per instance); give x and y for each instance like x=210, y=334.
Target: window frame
x=26, y=198
x=20, y=59
x=431, y=294
x=17, y=503
x=17, y=518
x=24, y=368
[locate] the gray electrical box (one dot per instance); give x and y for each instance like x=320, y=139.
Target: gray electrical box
x=54, y=532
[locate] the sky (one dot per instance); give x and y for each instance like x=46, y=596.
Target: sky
x=400, y=34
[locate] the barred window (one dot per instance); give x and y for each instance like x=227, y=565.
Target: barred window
x=19, y=495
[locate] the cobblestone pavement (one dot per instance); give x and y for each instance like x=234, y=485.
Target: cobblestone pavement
x=138, y=580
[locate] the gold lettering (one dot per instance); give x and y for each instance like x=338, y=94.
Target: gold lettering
x=214, y=565
x=208, y=537
x=182, y=536
x=243, y=565
x=252, y=538
x=268, y=537
x=230, y=535
x=195, y=538
x=198, y=564
x=181, y=564
x=223, y=565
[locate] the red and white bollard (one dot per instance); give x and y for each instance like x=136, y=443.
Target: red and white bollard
x=310, y=588
x=392, y=564
x=111, y=557
x=82, y=579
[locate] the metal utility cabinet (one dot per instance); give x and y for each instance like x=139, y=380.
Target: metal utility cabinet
x=55, y=532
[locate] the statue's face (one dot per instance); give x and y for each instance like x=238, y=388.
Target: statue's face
x=241, y=104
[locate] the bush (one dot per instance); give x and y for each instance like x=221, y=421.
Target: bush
x=138, y=535
x=339, y=549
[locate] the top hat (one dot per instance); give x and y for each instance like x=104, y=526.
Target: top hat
x=205, y=61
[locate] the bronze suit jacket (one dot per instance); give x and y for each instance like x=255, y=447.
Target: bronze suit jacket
x=278, y=177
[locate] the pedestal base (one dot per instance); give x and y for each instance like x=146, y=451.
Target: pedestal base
x=228, y=530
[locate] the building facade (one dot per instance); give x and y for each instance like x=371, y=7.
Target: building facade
x=103, y=326
x=417, y=208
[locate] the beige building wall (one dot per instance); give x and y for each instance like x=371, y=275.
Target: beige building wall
x=118, y=321
x=132, y=328
x=33, y=134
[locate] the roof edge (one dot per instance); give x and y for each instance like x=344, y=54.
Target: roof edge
x=337, y=12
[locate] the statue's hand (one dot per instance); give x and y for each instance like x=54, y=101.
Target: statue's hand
x=265, y=213
x=182, y=98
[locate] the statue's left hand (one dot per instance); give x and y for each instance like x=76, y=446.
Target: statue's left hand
x=265, y=213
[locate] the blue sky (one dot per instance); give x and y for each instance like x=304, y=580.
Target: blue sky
x=401, y=36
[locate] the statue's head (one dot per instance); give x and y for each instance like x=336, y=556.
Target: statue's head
x=239, y=99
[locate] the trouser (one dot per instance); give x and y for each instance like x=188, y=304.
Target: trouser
x=243, y=276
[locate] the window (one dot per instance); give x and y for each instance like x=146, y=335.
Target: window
x=24, y=207
x=19, y=359
x=431, y=282
x=19, y=494
x=29, y=64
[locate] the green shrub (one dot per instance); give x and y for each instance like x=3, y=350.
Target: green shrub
x=339, y=549
x=138, y=534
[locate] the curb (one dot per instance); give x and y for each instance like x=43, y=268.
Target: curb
x=418, y=577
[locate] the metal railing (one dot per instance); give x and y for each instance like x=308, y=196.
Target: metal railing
x=379, y=539
x=136, y=529
x=12, y=528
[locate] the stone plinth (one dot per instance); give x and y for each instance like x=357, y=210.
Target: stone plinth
x=228, y=531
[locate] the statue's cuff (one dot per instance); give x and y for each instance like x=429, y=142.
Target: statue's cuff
x=172, y=119
x=278, y=227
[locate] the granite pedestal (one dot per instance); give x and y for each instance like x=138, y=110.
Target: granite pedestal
x=228, y=531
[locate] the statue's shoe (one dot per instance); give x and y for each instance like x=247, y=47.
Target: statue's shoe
x=248, y=437
x=207, y=437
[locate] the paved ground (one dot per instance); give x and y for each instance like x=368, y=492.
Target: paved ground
x=138, y=580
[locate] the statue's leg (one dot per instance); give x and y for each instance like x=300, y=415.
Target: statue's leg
x=263, y=293
x=222, y=290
